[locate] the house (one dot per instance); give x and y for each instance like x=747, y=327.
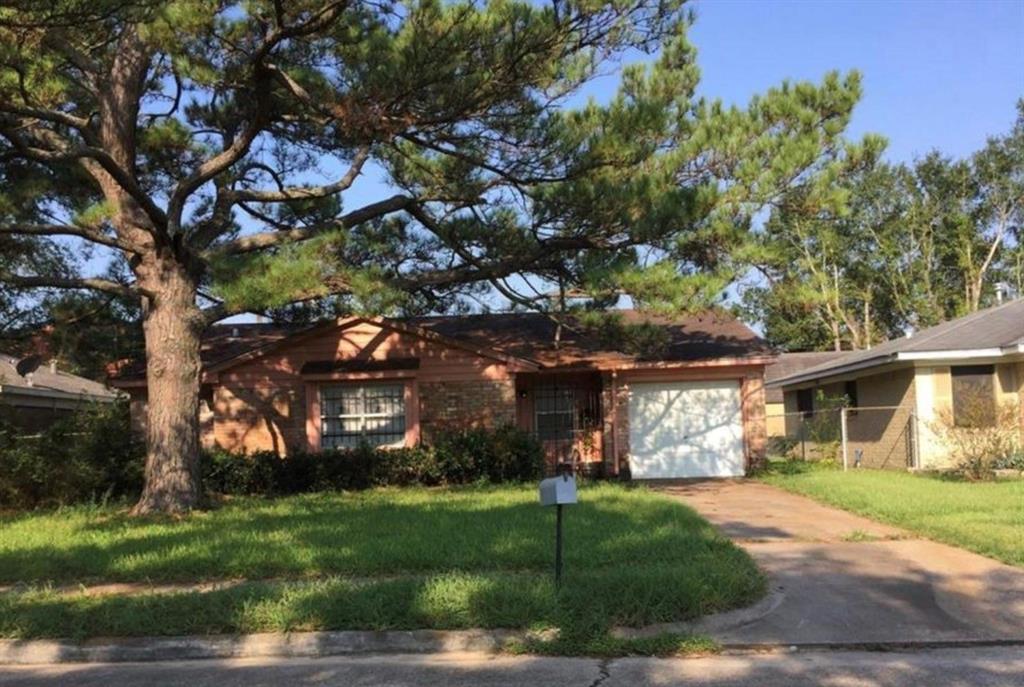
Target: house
x=902, y=392
x=787, y=364
x=690, y=404
x=36, y=399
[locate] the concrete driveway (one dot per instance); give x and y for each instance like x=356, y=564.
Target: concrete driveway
x=844, y=579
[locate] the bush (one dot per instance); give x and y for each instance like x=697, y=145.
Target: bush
x=1012, y=461
x=89, y=455
x=506, y=454
x=981, y=437
x=93, y=455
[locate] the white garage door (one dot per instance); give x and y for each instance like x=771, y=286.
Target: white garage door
x=685, y=429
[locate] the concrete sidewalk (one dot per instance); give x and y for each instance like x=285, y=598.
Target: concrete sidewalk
x=978, y=667
x=848, y=580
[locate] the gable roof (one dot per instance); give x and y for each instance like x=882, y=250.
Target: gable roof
x=790, y=363
x=47, y=382
x=993, y=332
x=519, y=338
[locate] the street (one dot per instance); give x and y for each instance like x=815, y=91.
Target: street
x=961, y=667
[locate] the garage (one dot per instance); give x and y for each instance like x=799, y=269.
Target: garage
x=686, y=429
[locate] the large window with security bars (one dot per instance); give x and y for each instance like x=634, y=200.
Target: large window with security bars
x=356, y=414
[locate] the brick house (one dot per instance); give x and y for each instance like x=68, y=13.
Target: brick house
x=903, y=391
x=692, y=406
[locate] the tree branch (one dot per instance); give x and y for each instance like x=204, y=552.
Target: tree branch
x=54, y=116
x=49, y=282
x=240, y=146
x=72, y=154
x=87, y=233
x=247, y=244
x=306, y=192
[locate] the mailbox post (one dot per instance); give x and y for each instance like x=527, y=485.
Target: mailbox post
x=557, y=492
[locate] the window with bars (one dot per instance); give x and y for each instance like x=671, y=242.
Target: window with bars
x=554, y=412
x=354, y=414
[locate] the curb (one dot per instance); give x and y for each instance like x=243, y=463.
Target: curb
x=266, y=645
x=740, y=648
x=711, y=624
x=327, y=643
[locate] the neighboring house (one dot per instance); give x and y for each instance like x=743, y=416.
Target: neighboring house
x=39, y=398
x=785, y=365
x=693, y=408
x=900, y=390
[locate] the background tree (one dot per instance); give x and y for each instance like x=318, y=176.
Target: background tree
x=212, y=146
x=905, y=246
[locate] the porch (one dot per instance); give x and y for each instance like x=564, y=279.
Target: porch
x=570, y=414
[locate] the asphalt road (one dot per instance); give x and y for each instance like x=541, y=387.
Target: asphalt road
x=973, y=667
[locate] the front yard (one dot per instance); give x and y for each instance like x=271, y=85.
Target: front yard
x=382, y=559
x=985, y=517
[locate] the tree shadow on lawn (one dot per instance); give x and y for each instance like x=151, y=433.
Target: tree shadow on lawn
x=586, y=607
x=337, y=534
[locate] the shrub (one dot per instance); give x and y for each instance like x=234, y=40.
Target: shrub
x=93, y=455
x=89, y=455
x=1011, y=461
x=981, y=437
x=506, y=454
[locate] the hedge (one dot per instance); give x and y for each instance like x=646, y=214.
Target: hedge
x=506, y=454
x=92, y=455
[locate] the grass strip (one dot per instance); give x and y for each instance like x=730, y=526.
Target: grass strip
x=984, y=517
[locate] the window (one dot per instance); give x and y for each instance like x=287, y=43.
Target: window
x=555, y=412
x=353, y=414
x=805, y=401
x=850, y=391
x=974, y=396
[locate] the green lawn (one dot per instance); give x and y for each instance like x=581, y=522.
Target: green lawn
x=986, y=517
x=382, y=559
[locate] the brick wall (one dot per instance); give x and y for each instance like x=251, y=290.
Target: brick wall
x=262, y=404
x=885, y=434
x=754, y=426
x=615, y=405
x=261, y=418
x=463, y=404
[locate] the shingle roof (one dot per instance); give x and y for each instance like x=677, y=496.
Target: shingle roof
x=522, y=335
x=997, y=328
x=791, y=363
x=689, y=338
x=44, y=379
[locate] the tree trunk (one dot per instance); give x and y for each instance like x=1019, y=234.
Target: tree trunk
x=172, y=325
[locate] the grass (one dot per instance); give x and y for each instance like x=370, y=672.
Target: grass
x=984, y=517
x=383, y=559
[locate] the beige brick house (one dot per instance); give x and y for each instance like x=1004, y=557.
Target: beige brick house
x=900, y=390
x=785, y=365
x=692, y=406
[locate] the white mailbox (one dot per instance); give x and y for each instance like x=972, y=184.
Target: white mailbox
x=558, y=491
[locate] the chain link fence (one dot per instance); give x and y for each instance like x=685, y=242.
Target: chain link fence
x=873, y=437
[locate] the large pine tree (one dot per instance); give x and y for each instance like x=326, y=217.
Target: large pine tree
x=212, y=144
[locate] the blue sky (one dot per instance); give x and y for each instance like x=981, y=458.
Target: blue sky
x=942, y=75
x=936, y=74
